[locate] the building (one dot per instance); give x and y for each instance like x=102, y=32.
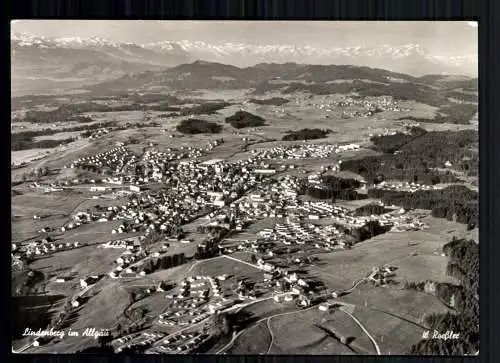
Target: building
x=324, y=307
x=135, y=188
x=264, y=171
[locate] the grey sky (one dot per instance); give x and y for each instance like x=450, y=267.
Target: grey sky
x=439, y=37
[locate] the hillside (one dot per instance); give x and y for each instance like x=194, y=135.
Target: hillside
x=72, y=62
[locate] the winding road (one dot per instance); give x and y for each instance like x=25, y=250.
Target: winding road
x=377, y=348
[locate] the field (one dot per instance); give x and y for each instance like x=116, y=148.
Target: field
x=417, y=254
x=26, y=156
x=297, y=333
x=393, y=335
x=58, y=136
x=83, y=261
x=220, y=266
x=254, y=340
x=55, y=207
x=100, y=312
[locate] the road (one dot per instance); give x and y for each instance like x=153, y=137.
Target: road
x=268, y=320
x=23, y=348
x=354, y=285
x=246, y=263
x=268, y=323
x=364, y=329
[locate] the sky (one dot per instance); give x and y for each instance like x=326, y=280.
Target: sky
x=439, y=37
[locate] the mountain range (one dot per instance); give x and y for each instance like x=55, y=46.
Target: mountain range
x=44, y=63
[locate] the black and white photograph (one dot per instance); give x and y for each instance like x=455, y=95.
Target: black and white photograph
x=244, y=187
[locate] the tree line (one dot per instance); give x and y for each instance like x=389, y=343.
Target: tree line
x=210, y=246
x=274, y=101
x=163, y=262
x=464, y=265
x=306, y=134
x=242, y=119
x=369, y=209
x=334, y=188
x=423, y=159
x=456, y=202
x=197, y=126
x=391, y=143
x=24, y=140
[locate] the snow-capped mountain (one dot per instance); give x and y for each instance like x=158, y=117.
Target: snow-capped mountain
x=86, y=61
x=43, y=63
x=407, y=58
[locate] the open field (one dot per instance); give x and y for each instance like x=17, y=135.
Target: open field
x=100, y=312
x=417, y=254
x=58, y=136
x=26, y=156
x=266, y=308
x=83, y=261
x=254, y=340
x=296, y=333
x=64, y=155
x=393, y=335
x=26, y=228
x=25, y=206
x=406, y=304
x=95, y=232
x=220, y=266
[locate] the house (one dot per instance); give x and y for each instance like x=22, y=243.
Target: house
x=278, y=298
x=219, y=203
x=268, y=277
x=324, y=307
x=135, y=188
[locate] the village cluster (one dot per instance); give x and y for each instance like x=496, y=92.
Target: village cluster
x=167, y=190
x=360, y=107
x=406, y=186
x=295, y=152
x=157, y=342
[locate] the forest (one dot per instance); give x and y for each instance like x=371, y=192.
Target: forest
x=422, y=159
x=453, y=113
x=371, y=209
x=162, y=263
x=25, y=140
x=369, y=230
x=306, y=134
x=210, y=246
x=456, y=202
x=391, y=143
x=463, y=265
x=274, y=101
x=242, y=119
x=334, y=188
x=198, y=126
x=204, y=109
x=63, y=113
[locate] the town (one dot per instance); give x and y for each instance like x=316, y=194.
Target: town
x=179, y=209
x=212, y=196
